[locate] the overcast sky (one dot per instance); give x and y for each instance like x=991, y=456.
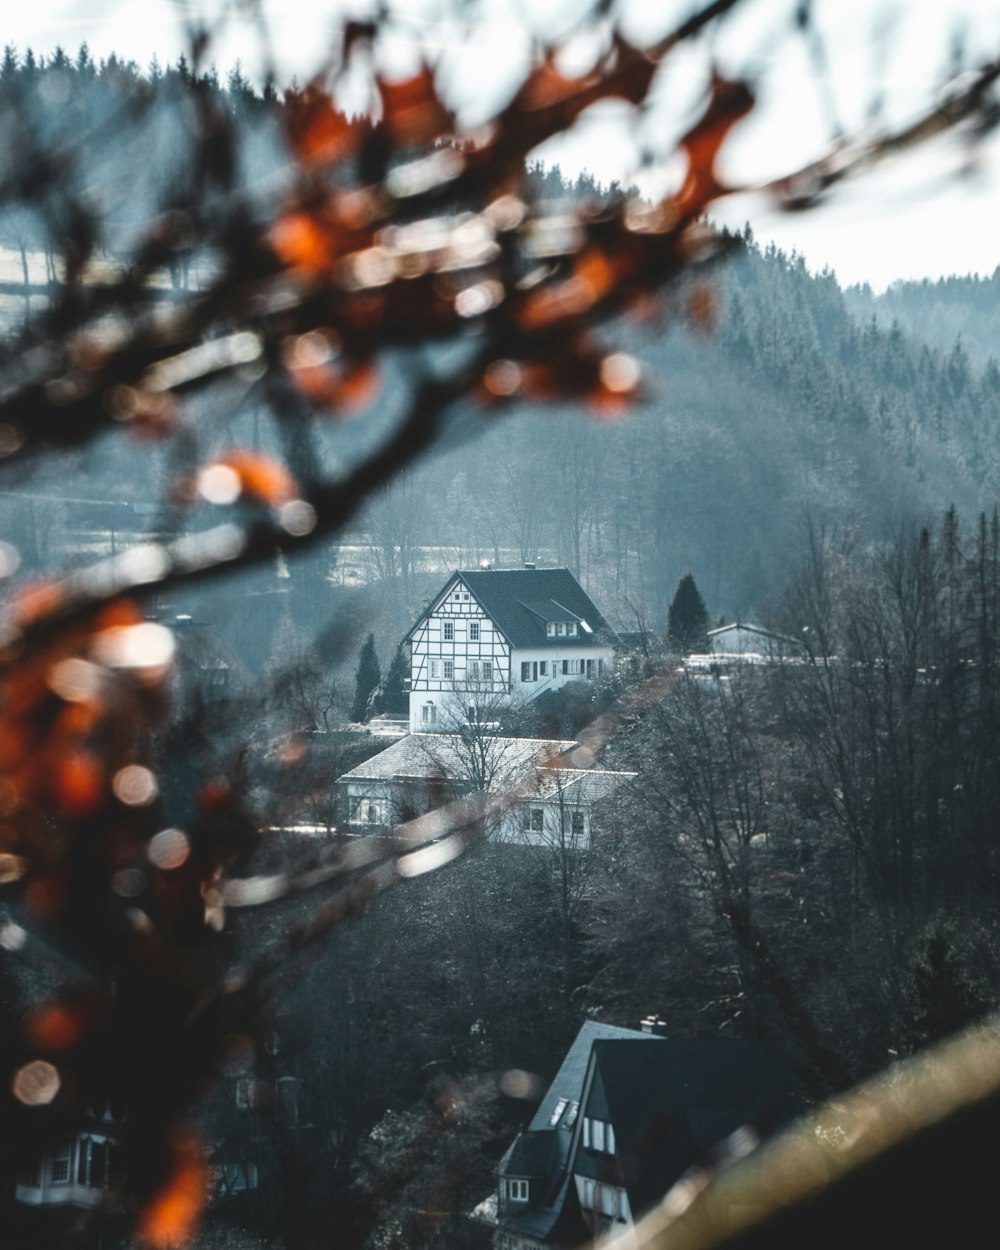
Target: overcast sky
x=926, y=217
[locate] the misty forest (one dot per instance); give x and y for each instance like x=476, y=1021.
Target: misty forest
x=803, y=851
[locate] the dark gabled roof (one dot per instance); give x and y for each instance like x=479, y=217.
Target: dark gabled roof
x=521, y=602
x=533, y=1154
x=568, y=1081
x=670, y=1104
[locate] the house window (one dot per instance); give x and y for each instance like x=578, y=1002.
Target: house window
x=573, y=824
x=473, y=670
x=543, y=668
x=449, y=669
x=449, y=631
x=428, y=714
x=246, y=1093
x=598, y=1135
x=571, y=629
x=435, y=669
x=533, y=819
x=561, y=629
x=560, y=1108
x=91, y=1167
x=473, y=631
x=59, y=1167
x=600, y=668
x=487, y=670
x=526, y=670
x=590, y=670
x=369, y=811
x=517, y=1191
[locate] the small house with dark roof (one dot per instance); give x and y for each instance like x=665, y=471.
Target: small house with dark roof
x=552, y=803
x=627, y=1115
x=495, y=635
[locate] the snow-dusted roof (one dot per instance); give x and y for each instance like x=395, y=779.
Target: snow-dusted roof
x=425, y=755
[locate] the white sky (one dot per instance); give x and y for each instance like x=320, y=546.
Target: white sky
x=917, y=219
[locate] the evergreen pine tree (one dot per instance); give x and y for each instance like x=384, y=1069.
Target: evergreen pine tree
x=687, y=620
x=394, y=700
x=368, y=677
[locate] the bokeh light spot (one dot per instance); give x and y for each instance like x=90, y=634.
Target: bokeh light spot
x=169, y=848
x=36, y=1083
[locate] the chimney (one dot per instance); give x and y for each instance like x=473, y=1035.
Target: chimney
x=653, y=1025
x=528, y=565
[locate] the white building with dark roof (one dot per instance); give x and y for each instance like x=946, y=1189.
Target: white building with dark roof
x=552, y=804
x=628, y=1113
x=492, y=636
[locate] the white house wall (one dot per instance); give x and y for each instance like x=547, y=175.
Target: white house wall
x=430, y=651
x=553, y=677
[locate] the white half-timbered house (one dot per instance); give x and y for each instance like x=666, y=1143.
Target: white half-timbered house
x=493, y=636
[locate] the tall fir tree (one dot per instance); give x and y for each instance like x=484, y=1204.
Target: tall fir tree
x=368, y=677
x=394, y=700
x=687, y=619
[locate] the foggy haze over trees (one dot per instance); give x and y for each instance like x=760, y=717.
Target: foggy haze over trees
x=354, y=355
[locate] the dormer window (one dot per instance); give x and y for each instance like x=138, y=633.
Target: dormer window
x=550, y=629
x=517, y=1191
x=598, y=1135
x=571, y=629
x=561, y=629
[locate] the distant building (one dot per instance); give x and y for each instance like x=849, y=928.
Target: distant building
x=554, y=806
x=76, y=1172
x=752, y=642
x=493, y=636
x=628, y=1113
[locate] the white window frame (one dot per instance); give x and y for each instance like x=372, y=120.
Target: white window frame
x=517, y=1191
x=550, y=629
x=571, y=629
x=473, y=670
x=487, y=670
x=435, y=670
x=448, y=631
x=62, y=1157
x=449, y=670
x=474, y=631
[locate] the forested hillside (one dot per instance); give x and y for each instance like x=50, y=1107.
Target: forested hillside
x=772, y=400
x=939, y=313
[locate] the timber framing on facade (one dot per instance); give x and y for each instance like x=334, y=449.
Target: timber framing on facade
x=493, y=637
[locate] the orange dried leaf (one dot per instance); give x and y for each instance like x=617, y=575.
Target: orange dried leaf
x=413, y=112
x=58, y=1026
x=319, y=131
x=79, y=783
x=730, y=101
x=338, y=388
x=302, y=241
x=171, y=1217
x=262, y=478
x=34, y=601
